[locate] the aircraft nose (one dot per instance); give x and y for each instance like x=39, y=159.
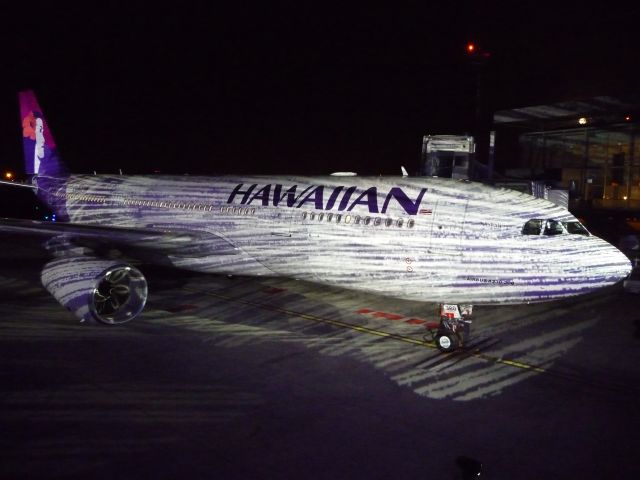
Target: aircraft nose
x=607, y=262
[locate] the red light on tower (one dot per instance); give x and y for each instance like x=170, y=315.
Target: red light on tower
x=471, y=48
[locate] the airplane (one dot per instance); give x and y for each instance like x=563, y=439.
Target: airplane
x=454, y=242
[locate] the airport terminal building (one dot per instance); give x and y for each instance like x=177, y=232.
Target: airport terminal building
x=591, y=148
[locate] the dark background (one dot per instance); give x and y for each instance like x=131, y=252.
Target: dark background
x=291, y=87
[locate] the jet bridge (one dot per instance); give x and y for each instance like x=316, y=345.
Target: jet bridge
x=448, y=156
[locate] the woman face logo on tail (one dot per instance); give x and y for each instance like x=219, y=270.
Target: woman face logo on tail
x=39, y=150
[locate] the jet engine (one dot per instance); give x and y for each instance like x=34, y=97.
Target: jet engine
x=93, y=289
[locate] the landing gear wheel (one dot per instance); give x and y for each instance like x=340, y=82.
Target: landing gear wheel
x=446, y=341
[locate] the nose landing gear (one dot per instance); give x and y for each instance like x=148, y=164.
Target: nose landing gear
x=454, y=328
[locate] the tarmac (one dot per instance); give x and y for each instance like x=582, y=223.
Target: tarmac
x=276, y=378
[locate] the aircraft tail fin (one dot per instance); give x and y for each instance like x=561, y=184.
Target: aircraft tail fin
x=40, y=152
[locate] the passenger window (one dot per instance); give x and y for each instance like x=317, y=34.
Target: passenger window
x=338, y=218
x=377, y=221
x=532, y=227
x=411, y=223
x=304, y=215
x=399, y=222
x=320, y=216
x=388, y=222
x=329, y=216
x=356, y=220
x=347, y=219
x=366, y=220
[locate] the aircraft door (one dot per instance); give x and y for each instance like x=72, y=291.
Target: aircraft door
x=288, y=223
x=447, y=230
x=285, y=245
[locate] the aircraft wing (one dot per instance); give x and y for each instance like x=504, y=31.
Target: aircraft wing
x=132, y=241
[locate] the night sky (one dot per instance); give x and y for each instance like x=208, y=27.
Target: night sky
x=291, y=87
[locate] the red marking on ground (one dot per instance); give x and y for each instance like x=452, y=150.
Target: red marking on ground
x=180, y=308
x=432, y=325
x=391, y=316
x=364, y=310
x=388, y=316
x=416, y=321
x=274, y=290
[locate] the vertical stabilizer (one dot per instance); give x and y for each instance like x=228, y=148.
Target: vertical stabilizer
x=40, y=152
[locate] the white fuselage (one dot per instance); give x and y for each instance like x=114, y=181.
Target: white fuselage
x=416, y=238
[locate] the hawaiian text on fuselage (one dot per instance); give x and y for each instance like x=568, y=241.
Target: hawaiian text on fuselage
x=320, y=197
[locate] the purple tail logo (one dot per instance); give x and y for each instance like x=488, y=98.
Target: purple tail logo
x=40, y=153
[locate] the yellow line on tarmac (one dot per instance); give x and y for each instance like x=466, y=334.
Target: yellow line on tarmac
x=358, y=328
x=524, y=366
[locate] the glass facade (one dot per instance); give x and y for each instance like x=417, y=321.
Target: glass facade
x=599, y=165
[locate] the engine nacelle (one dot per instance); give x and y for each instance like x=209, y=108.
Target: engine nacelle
x=94, y=289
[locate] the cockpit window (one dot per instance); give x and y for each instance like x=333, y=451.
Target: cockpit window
x=532, y=227
x=575, y=228
x=553, y=227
